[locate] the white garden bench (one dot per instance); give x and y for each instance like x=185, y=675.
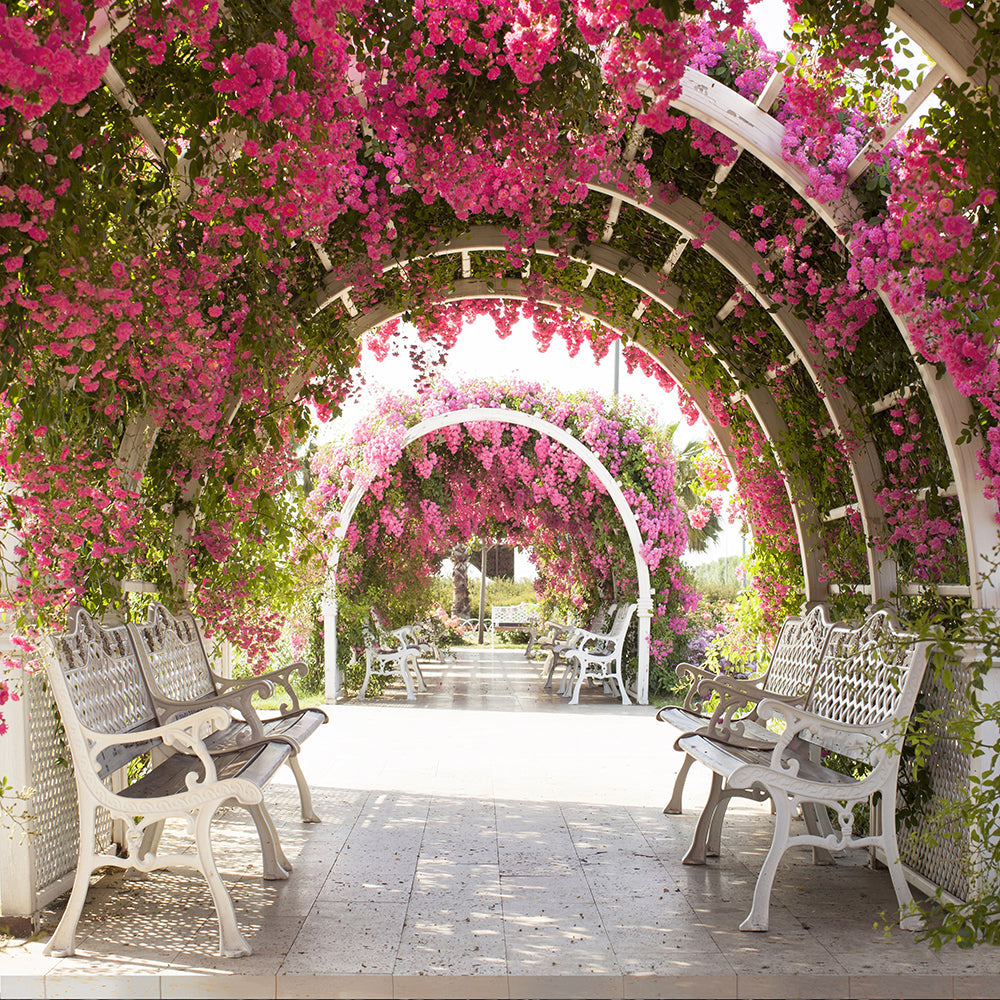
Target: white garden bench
x=555, y=639
x=390, y=654
x=790, y=674
x=597, y=656
x=180, y=679
x=861, y=700
x=110, y=721
x=512, y=618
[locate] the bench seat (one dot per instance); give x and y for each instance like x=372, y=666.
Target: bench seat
x=257, y=764
x=180, y=679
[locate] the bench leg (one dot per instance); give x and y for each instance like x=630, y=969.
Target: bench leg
x=232, y=944
x=305, y=794
x=581, y=676
x=550, y=663
x=910, y=919
x=714, y=843
x=567, y=678
x=818, y=824
x=676, y=805
x=621, y=684
x=403, y=663
x=696, y=852
x=420, y=676
x=63, y=941
x=758, y=917
x=363, y=693
x=276, y=865
x=150, y=843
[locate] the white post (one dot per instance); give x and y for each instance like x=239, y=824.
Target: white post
x=645, y=613
x=332, y=671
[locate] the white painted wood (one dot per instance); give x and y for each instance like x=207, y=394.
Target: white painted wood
x=952, y=46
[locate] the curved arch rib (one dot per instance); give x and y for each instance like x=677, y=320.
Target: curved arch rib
x=500, y=415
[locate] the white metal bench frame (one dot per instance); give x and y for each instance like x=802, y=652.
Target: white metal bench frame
x=790, y=674
x=598, y=656
x=109, y=720
x=862, y=698
x=560, y=638
x=511, y=618
x=390, y=654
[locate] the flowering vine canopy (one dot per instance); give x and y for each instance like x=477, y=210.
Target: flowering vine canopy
x=504, y=481
x=204, y=206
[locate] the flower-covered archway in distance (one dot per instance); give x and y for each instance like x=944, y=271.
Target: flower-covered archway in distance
x=504, y=416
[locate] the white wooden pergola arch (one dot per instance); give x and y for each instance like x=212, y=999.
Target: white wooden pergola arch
x=739, y=259
x=749, y=125
x=484, y=414
x=952, y=47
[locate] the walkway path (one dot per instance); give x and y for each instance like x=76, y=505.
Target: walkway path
x=514, y=848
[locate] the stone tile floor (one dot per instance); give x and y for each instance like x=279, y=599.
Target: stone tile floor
x=491, y=841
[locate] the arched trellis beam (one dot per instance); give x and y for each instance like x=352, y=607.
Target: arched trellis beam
x=744, y=263
x=951, y=44
x=740, y=260
x=759, y=133
x=433, y=424
x=759, y=402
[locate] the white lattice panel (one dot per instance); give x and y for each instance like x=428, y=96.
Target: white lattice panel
x=940, y=859
x=56, y=824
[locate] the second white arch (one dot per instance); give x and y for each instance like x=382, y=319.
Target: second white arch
x=497, y=415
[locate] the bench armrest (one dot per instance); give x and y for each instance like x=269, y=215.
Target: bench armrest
x=235, y=699
x=693, y=699
x=280, y=678
x=187, y=735
x=580, y=638
x=851, y=740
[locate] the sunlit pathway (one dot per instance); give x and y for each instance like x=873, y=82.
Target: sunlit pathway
x=491, y=841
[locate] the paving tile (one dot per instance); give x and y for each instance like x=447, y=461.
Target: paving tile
x=785, y=986
x=449, y=987
x=126, y=983
x=333, y=987
x=646, y=940
x=565, y=987
x=913, y=986
x=454, y=924
x=684, y=983
x=238, y=986
x=978, y=985
x=345, y=936
x=547, y=933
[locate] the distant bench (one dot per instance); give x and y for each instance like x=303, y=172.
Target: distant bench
x=512, y=617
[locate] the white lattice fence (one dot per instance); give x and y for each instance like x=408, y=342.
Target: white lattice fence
x=932, y=860
x=39, y=866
